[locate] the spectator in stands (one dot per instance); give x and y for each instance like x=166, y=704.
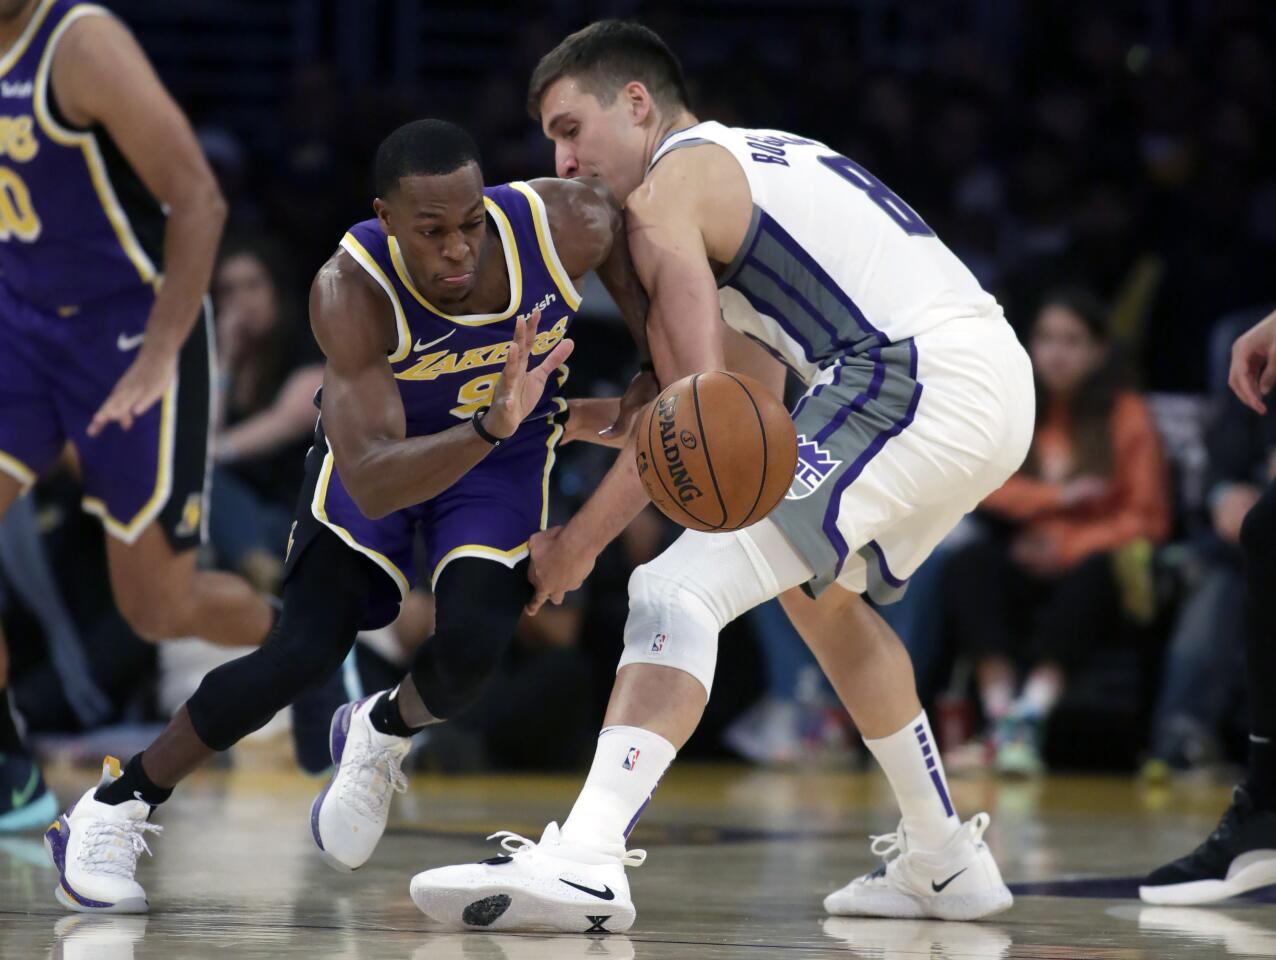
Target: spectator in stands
x=270, y=368
x=1202, y=687
x=1033, y=598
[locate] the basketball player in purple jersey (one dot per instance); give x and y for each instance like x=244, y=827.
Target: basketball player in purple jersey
x=444, y=321
x=104, y=328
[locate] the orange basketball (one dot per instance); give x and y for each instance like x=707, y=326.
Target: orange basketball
x=716, y=451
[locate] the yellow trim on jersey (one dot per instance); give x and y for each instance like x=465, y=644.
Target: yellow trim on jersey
x=317, y=507
x=545, y=238
x=551, y=444
x=18, y=49
x=87, y=143
x=512, y=265
x=18, y=470
x=366, y=260
x=130, y=530
x=511, y=557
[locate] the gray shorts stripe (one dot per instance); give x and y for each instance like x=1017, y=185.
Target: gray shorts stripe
x=842, y=423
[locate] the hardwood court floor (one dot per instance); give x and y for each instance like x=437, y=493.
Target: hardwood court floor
x=739, y=862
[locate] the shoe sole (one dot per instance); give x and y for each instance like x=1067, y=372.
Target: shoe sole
x=35, y=814
x=511, y=907
x=1256, y=875
x=950, y=907
x=337, y=733
x=63, y=894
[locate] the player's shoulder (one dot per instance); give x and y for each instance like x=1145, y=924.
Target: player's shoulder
x=692, y=181
x=584, y=218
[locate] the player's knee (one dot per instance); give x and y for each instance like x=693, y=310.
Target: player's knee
x=671, y=624
x=1258, y=531
x=454, y=666
x=153, y=616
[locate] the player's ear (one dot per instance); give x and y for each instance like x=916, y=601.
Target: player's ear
x=638, y=101
x=382, y=210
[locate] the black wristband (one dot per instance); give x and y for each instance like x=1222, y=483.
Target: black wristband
x=477, y=421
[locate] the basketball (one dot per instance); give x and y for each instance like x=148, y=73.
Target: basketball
x=716, y=451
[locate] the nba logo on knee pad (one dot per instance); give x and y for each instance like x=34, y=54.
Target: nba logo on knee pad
x=814, y=466
x=658, y=643
x=631, y=758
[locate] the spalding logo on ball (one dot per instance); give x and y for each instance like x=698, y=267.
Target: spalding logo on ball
x=716, y=451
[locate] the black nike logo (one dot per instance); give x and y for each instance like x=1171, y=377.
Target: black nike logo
x=939, y=887
x=603, y=894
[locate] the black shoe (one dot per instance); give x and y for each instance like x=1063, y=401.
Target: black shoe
x=25, y=802
x=1240, y=855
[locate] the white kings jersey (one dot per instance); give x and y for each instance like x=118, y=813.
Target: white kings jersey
x=834, y=263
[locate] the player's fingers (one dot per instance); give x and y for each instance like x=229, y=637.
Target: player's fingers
x=534, y=605
x=1268, y=378
x=1245, y=386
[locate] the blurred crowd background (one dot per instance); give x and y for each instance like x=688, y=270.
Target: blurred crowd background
x=1104, y=168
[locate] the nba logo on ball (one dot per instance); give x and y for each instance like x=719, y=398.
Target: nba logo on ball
x=814, y=466
x=631, y=758
x=658, y=642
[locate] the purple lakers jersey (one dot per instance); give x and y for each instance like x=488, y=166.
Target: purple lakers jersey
x=446, y=366
x=76, y=223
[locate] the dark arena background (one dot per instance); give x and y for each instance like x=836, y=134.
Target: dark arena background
x=1104, y=169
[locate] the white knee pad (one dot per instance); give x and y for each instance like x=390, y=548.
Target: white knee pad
x=680, y=601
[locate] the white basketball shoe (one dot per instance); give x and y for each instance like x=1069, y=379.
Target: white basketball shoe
x=533, y=886
x=95, y=846
x=349, y=815
x=960, y=881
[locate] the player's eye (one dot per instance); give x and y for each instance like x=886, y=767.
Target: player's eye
x=570, y=134
x=429, y=233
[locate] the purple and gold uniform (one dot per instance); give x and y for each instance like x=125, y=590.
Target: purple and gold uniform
x=80, y=239
x=446, y=368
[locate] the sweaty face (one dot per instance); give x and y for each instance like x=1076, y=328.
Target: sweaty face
x=591, y=139
x=441, y=226
x=1064, y=351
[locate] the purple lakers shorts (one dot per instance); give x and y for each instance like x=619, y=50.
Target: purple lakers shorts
x=490, y=512
x=56, y=369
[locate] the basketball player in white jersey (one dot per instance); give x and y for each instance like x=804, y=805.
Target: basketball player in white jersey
x=919, y=404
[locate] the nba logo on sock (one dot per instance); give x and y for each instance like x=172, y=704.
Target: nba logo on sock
x=658, y=642
x=631, y=758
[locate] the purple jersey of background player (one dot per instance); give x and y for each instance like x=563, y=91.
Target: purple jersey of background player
x=446, y=366
x=76, y=224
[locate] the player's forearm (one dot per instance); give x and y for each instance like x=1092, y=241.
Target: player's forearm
x=590, y=417
x=191, y=236
x=396, y=474
x=621, y=280
x=611, y=508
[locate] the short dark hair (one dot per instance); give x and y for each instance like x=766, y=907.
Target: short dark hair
x=421, y=147
x=605, y=56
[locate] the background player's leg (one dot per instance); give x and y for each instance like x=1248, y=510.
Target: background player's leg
x=162, y=595
x=1238, y=856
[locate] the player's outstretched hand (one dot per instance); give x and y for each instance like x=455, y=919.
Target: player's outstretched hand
x=143, y=383
x=519, y=389
x=1253, y=371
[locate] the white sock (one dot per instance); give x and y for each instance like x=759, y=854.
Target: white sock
x=910, y=760
x=1040, y=694
x=628, y=764
x=996, y=699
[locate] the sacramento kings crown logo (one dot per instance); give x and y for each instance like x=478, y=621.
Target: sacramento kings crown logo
x=813, y=467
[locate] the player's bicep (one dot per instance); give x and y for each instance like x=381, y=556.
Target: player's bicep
x=683, y=319
x=361, y=406
x=101, y=75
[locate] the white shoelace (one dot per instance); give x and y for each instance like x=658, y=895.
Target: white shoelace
x=514, y=844
x=112, y=847
x=885, y=844
x=374, y=775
